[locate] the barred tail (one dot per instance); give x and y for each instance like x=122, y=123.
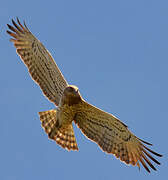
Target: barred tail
x=63, y=136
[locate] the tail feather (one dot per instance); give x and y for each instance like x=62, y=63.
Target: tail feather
x=48, y=120
x=66, y=138
x=63, y=136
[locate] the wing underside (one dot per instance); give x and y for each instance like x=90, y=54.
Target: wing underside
x=41, y=66
x=114, y=137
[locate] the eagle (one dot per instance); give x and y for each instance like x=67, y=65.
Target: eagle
x=103, y=128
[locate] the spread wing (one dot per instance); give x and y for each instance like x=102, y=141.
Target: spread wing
x=113, y=136
x=39, y=62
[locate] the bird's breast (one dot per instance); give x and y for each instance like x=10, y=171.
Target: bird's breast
x=65, y=114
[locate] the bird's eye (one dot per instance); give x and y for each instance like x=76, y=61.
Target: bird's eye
x=71, y=88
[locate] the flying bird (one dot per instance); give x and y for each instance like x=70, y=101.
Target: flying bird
x=111, y=134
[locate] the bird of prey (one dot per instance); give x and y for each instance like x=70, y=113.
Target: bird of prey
x=112, y=135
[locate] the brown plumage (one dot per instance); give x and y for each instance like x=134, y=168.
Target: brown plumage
x=113, y=136
x=39, y=62
x=63, y=136
x=106, y=130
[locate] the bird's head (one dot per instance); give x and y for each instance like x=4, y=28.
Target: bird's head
x=71, y=90
x=71, y=95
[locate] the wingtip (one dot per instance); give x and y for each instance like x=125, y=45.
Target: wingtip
x=13, y=21
x=25, y=25
x=18, y=21
x=8, y=25
x=17, y=18
x=153, y=152
x=160, y=155
x=8, y=32
x=145, y=142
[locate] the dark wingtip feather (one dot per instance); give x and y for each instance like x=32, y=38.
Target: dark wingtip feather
x=16, y=26
x=10, y=27
x=155, y=153
x=153, y=159
x=25, y=25
x=8, y=32
x=13, y=22
x=12, y=34
x=20, y=23
x=147, y=160
x=18, y=20
x=145, y=142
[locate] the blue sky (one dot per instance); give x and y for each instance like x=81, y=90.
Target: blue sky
x=116, y=52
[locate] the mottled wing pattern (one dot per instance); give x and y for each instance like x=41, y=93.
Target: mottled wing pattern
x=39, y=62
x=63, y=136
x=113, y=136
